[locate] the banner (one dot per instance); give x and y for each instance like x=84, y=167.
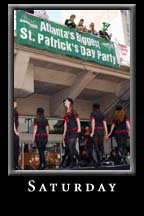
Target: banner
x=43, y=34
x=124, y=52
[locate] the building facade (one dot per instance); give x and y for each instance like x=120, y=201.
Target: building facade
x=43, y=79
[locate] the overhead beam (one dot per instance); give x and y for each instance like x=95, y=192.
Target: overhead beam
x=43, y=55
x=102, y=85
x=67, y=79
x=81, y=81
x=121, y=87
x=54, y=76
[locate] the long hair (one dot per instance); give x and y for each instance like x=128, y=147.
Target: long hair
x=40, y=117
x=71, y=107
x=92, y=27
x=119, y=115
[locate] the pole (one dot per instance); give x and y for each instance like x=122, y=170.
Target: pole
x=23, y=144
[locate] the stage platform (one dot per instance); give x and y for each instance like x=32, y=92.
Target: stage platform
x=110, y=167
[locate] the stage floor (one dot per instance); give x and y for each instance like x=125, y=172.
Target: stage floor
x=114, y=167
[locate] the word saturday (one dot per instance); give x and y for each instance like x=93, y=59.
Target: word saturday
x=68, y=187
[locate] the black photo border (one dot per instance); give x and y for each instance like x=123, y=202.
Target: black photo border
x=74, y=176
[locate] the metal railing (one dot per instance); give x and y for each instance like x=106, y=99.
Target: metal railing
x=114, y=102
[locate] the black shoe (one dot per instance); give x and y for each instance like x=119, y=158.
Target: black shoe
x=62, y=166
x=91, y=164
x=71, y=165
x=79, y=163
x=42, y=166
x=97, y=164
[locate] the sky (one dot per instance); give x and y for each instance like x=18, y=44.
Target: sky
x=54, y=15
x=96, y=16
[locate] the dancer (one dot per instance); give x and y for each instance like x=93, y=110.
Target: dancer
x=72, y=128
x=98, y=129
x=122, y=129
x=40, y=135
x=16, y=136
